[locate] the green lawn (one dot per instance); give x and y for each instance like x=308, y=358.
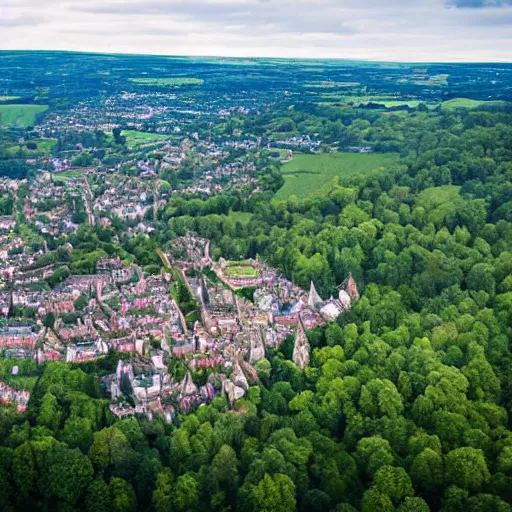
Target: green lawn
x=306, y=174
x=20, y=115
x=241, y=270
x=456, y=103
x=135, y=138
x=66, y=175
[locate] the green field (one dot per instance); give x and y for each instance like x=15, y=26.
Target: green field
x=135, y=138
x=44, y=147
x=456, y=103
x=306, y=174
x=167, y=82
x=20, y=115
x=336, y=98
x=241, y=271
x=66, y=175
x=9, y=98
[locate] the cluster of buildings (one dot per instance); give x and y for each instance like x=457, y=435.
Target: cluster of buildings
x=119, y=308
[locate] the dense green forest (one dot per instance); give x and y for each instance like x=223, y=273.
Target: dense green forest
x=406, y=404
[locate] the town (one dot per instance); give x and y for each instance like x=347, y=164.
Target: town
x=119, y=308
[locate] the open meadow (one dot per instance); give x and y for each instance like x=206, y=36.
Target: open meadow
x=306, y=174
x=456, y=103
x=20, y=115
x=136, y=138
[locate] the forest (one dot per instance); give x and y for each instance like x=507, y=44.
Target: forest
x=406, y=403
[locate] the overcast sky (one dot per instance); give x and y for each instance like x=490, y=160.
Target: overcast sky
x=405, y=30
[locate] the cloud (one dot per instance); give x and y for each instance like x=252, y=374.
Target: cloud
x=407, y=30
x=478, y=4
x=20, y=21
x=285, y=17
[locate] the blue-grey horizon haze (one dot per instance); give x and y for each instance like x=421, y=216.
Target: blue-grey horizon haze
x=392, y=30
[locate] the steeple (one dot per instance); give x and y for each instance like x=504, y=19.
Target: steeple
x=313, y=298
x=301, y=346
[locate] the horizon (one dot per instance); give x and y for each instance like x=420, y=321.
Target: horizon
x=412, y=31
x=221, y=57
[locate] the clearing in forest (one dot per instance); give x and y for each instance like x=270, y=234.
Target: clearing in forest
x=306, y=174
x=456, y=103
x=20, y=115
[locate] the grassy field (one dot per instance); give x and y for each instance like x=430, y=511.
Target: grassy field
x=66, y=175
x=337, y=98
x=306, y=174
x=241, y=270
x=20, y=115
x=44, y=147
x=167, y=82
x=456, y=103
x=9, y=98
x=136, y=138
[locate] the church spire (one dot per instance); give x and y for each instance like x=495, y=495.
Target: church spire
x=313, y=298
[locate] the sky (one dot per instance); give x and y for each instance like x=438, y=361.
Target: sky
x=386, y=30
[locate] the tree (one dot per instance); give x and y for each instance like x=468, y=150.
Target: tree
x=98, y=497
x=466, y=468
x=122, y=496
x=24, y=468
x=49, y=412
x=49, y=320
x=118, y=138
x=224, y=466
x=394, y=483
x=372, y=453
x=427, y=469
x=162, y=495
x=77, y=432
x=185, y=493
x=274, y=494
x=67, y=473
x=110, y=448
x=374, y=501
x=413, y=505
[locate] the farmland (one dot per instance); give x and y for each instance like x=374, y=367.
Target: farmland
x=456, y=103
x=20, y=115
x=306, y=174
x=167, y=82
